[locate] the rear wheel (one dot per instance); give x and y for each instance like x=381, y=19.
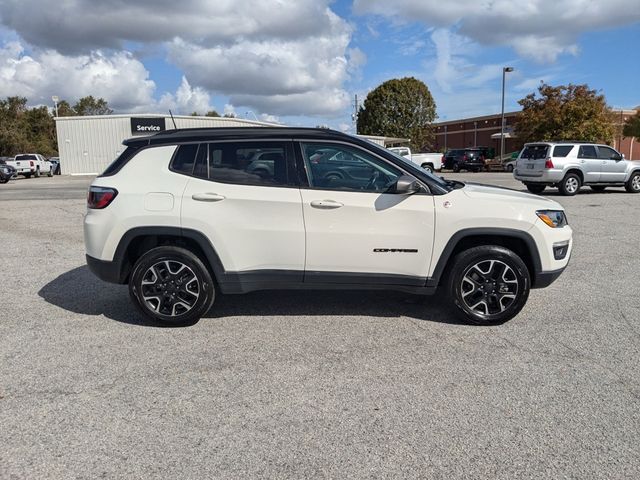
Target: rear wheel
x=509, y=168
x=633, y=184
x=598, y=188
x=535, y=188
x=428, y=167
x=456, y=167
x=488, y=285
x=171, y=286
x=570, y=185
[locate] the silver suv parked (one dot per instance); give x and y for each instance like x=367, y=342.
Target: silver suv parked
x=570, y=165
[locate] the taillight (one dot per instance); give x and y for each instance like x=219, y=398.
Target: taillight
x=31, y=163
x=464, y=157
x=442, y=159
x=548, y=163
x=100, y=197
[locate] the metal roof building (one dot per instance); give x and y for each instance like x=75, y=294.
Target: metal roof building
x=87, y=145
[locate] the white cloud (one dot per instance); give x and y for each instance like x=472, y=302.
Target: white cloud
x=229, y=110
x=186, y=100
x=268, y=55
x=119, y=78
x=537, y=29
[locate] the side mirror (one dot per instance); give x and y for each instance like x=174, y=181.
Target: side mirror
x=406, y=185
x=617, y=157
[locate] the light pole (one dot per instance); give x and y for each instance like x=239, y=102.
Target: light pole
x=504, y=74
x=246, y=114
x=55, y=103
x=475, y=134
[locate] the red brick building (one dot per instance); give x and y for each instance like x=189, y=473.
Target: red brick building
x=485, y=132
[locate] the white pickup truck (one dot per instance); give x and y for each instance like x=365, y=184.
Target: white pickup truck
x=28, y=164
x=428, y=161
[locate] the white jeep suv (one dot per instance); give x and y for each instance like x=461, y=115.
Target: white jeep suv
x=182, y=216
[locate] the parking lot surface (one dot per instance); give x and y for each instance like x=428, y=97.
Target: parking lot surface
x=315, y=384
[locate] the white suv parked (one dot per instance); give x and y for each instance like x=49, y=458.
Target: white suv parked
x=570, y=165
x=182, y=216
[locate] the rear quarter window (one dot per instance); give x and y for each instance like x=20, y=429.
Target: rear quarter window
x=535, y=151
x=120, y=162
x=562, y=150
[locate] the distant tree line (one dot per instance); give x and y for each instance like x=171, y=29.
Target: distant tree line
x=24, y=129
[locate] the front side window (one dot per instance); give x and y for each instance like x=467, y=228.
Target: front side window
x=345, y=168
x=606, y=153
x=587, y=151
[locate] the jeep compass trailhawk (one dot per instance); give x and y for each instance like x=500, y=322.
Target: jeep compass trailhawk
x=184, y=215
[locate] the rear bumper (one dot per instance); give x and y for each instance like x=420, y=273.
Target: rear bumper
x=549, y=176
x=105, y=270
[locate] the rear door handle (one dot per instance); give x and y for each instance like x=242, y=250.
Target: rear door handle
x=326, y=204
x=207, y=197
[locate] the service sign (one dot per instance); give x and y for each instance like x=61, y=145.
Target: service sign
x=147, y=126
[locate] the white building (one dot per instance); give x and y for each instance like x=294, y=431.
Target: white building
x=87, y=145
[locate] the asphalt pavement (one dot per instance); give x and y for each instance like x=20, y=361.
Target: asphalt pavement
x=315, y=384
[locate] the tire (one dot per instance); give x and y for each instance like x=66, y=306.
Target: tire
x=37, y=174
x=535, y=188
x=633, y=184
x=428, y=167
x=570, y=185
x=27, y=175
x=50, y=173
x=456, y=167
x=509, y=168
x=488, y=285
x=598, y=188
x=168, y=295
x=3, y=180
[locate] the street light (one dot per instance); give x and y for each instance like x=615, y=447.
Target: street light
x=55, y=103
x=505, y=70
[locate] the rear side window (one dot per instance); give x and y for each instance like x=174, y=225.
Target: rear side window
x=120, y=162
x=252, y=163
x=535, y=151
x=562, y=150
x=185, y=158
x=587, y=151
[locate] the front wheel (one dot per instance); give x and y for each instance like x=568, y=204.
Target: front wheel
x=633, y=184
x=488, y=285
x=534, y=188
x=37, y=174
x=171, y=286
x=50, y=173
x=570, y=185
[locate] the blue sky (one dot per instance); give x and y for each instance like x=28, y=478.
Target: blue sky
x=301, y=62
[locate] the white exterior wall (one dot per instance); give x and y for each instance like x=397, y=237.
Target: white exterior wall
x=87, y=145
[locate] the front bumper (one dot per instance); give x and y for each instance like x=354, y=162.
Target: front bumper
x=544, y=279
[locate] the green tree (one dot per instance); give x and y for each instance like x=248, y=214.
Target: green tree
x=92, y=106
x=195, y=114
x=632, y=126
x=212, y=113
x=65, y=109
x=565, y=112
x=24, y=129
x=399, y=108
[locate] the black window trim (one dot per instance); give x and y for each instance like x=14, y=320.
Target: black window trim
x=307, y=185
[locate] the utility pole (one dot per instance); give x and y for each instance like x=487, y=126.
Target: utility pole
x=354, y=116
x=504, y=73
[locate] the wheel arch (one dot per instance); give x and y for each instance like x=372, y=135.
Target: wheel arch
x=138, y=240
x=518, y=241
x=575, y=170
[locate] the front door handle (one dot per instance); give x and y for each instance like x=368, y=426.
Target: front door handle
x=326, y=204
x=207, y=197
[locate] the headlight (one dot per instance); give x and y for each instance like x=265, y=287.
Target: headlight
x=553, y=218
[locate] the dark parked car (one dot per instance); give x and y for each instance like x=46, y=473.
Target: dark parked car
x=55, y=165
x=470, y=159
x=6, y=172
